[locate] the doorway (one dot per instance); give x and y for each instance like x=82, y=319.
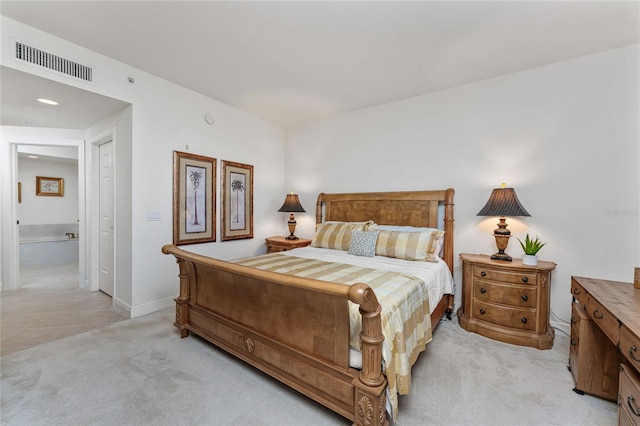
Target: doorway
x=48, y=218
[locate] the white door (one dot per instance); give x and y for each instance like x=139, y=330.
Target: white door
x=106, y=218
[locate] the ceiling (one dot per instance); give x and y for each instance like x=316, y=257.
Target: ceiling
x=77, y=109
x=293, y=62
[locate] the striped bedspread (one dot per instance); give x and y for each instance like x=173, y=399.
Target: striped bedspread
x=406, y=317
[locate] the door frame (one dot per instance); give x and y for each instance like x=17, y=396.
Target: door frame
x=10, y=273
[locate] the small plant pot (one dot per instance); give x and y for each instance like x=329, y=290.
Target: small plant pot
x=529, y=259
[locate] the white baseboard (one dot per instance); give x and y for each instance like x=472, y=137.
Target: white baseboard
x=156, y=305
x=145, y=308
x=122, y=307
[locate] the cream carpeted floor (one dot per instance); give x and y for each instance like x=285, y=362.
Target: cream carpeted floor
x=139, y=372
x=50, y=306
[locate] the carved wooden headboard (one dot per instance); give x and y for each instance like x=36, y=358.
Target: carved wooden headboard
x=412, y=208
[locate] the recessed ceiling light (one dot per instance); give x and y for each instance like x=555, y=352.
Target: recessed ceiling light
x=33, y=156
x=47, y=101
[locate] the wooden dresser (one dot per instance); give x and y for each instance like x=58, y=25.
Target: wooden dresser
x=506, y=301
x=604, y=356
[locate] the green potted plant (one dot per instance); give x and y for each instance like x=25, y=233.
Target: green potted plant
x=531, y=247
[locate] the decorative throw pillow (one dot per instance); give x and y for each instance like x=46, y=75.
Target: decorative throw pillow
x=335, y=235
x=435, y=246
x=409, y=245
x=363, y=243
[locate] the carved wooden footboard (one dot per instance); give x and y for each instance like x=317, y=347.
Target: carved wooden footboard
x=294, y=329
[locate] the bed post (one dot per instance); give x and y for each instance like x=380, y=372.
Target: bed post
x=448, y=241
x=370, y=385
x=182, y=306
x=319, y=208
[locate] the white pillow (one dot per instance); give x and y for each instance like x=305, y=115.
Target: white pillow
x=400, y=228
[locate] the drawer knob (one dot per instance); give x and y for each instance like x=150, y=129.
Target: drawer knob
x=483, y=273
x=525, y=297
x=524, y=320
x=483, y=290
x=525, y=279
x=597, y=314
x=634, y=410
x=482, y=312
x=632, y=353
x=576, y=291
x=573, y=320
x=573, y=342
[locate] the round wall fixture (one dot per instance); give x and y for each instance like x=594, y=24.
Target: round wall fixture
x=208, y=118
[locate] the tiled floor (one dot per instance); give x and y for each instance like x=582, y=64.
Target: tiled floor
x=50, y=306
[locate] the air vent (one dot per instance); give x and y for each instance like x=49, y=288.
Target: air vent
x=52, y=62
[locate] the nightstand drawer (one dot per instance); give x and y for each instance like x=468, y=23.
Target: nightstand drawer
x=508, y=294
x=523, y=319
x=629, y=396
x=275, y=248
x=603, y=318
x=630, y=347
x=503, y=276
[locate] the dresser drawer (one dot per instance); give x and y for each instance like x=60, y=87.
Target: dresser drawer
x=574, y=348
x=629, y=396
x=486, y=273
x=603, y=318
x=514, y=295
x=578, y=292
x=524, y=319
x=630, y=347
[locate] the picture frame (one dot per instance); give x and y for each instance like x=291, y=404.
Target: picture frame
x=49, y=186
x=237, y=201
x=194, y=198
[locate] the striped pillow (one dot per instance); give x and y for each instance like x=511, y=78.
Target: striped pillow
x=421, y=246
x=335, y=235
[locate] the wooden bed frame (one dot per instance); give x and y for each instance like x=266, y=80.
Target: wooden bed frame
x=297, y=329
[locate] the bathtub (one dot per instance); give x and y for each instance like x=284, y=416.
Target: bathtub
x=48, y=244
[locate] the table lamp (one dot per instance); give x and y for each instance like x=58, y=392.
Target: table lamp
x=503, y=202
x=291, y=205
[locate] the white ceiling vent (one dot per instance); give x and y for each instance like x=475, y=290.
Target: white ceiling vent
x=53, y=62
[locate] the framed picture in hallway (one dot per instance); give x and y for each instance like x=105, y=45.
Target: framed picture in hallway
x=194, y=198
x=49, y=186
x=237, y=201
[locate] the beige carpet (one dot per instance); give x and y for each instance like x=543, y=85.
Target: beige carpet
x=50, y=306
x=139, y=372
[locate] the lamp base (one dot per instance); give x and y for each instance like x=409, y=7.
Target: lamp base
x=291, y=237
x=501, y=256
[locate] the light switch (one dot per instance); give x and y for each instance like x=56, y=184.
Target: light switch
x=153, y=216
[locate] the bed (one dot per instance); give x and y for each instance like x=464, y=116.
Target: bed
x=297, y=328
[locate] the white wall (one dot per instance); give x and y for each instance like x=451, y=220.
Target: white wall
x=33, y=209
x=565, y=136
x=165, y=117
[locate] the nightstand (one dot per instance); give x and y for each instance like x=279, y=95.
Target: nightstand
x=276, y=244
x=506, y=301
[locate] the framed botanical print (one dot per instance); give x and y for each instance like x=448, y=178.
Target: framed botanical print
x=49, y=186
x=237, y=201
x=194, y=198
